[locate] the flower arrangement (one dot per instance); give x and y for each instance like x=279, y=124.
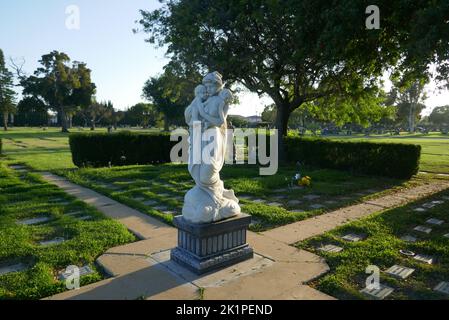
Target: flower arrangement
x=298, y=180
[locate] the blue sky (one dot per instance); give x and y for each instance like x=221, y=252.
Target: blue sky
x=120, y=61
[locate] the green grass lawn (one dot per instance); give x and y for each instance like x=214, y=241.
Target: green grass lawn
x=159, y=190
x=435, y=147
x=381, y=248
x=24, y=196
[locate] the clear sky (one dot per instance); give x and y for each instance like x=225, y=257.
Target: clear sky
x=120, y=61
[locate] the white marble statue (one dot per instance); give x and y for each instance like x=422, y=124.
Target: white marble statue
x=208, y=200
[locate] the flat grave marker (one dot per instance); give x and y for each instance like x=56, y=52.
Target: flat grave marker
x=294, y=202
x=54, y=241
x=150, y=202
x=316, y=206
x=434, y=221
x=446, y=235
x=12, y=268
x=330, y=248
x=275, y=204
x=442, y=287
x=259, y=201
x=311, y=196
x=420, y=209
x=400, y=271
x=379, y=294
x=409, y=238
x=423, y=229
x=33, y=221
x=352, y=237
x=423, y=258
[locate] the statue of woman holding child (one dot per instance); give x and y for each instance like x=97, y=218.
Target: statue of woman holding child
x=208, y=200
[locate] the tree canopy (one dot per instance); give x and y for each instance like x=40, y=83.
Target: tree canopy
x=61, y=86
x=7, y=94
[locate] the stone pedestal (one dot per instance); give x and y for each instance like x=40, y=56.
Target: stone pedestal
x=210, y=246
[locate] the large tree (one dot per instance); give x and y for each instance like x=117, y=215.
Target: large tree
x=64, y=87
x=172, y=91
x=298, y=51
x=440, y=116
x=7, y=94
x=94, y=112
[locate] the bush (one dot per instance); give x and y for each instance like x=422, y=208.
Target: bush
x=383, y=159
x=1, y=145
x=123, y=148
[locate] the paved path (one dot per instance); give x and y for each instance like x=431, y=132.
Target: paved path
x=143, y=270
x=304, y=229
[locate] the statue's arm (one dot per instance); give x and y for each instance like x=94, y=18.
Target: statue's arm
x=213, y=120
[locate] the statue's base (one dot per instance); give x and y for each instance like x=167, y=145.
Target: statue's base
x=210, y=246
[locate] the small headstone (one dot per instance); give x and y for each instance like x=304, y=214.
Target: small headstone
x=407, y=253
x=409, y=238
x=150, y=202
x=274, y=204
x=294, y=202
x=352, y=237
x=311, y=196
x=52, y=242
x=281, y=197
x=85, y=270
x=434, y=221
x=423, y=229
x=420, y=209
x=330, y=202
x=316, y=206
x=17, y=167
x=259, y=201
x=423, y=258
x=280, y=190
x=139, y=198
x=437, y=202
x=400, y=271
x=446, y=235
x=378, y=294
x=34, y=220
x=12, y=268
x=330, y=248
x=169, y=212
x=442, y=287
x=160, y=208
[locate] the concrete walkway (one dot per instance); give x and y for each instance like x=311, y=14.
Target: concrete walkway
x=304, y=229
x=143, y=269
x=277, y=271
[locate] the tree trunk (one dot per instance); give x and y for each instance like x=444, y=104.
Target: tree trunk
x=5, y=121
x=92, y=124
x=166, y=124
x=282, y=115
x=63, y=118
x=411, y=118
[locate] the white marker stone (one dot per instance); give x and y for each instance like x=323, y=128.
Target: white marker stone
x=85, y=270
x=420, y=209
x=311, y=196
x=423, y=229
x=52, y=242
x=400, y=271
x=434, y=221
x=275, y=204
x=446, y=235
x=34, y=220
x=330, y=202
x=429, y=205
x=442, y=287
x=378, y=294
x=330, y=248
x=150, y=202
x=423, y=258
x=259, y=201
x=12, y=268
x=352, y=237
x=409, y=238
x=316, y=206
x=294, y=202
x=160, y=208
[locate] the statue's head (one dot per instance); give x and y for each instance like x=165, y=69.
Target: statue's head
x=213, y=82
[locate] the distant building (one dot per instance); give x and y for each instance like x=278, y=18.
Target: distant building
x=254, y=119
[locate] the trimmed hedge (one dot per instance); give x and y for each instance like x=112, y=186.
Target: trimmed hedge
x=118, y=149
x=394, y=160
x=127, y=148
